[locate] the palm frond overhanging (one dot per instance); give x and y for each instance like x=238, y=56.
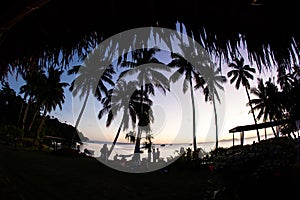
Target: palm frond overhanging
x=44, y=31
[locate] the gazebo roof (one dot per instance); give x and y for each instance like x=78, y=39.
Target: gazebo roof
x=259, y=126
x=55, y=29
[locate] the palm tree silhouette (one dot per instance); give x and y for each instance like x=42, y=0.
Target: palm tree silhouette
x=89, y=80
x=213, y=81
x=284, y=79
x=53, y=94
x=240, y=75
x=189, y=72
x=119, y=98
x=267, y=102
x=142, y=106
x=31, y=89
x=148, y=77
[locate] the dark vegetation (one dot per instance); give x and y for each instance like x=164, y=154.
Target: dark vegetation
x=11, y=106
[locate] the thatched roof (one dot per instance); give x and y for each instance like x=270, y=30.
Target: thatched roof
x=31, y=29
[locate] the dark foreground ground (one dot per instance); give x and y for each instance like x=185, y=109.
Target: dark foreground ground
x=32, y=175
x=40, y=175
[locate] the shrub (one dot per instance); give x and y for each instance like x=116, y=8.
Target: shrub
x=255, y=165
x=11, y=133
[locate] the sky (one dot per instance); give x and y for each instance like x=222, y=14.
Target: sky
x=172, y=112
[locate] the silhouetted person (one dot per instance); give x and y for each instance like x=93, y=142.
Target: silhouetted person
x=149, y=154
x=153, y=155
x=116, y=157
x=182, y=151
x=189, y=154
x=104, y=153
x=157, y=154
x=78, y=148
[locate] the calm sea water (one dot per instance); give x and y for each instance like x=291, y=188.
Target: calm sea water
x=167, y=150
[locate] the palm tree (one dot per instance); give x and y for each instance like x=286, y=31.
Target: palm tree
x=89, y=80
x=53, y=94
x=284, y=79
x=119, y=99
x=240, y=75
x=189, y=72
x=31, y=89
x=290, y=99
x=267, y=102
x=142, y=106
x=214, y=82
x=148, y=77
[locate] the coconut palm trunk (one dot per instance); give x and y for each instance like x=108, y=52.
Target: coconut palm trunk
x=33, y=119
x=216, y=120
x=252, y=111
x=139, y=135
x=274, y=132
x=194, y=115
x=116, y=138
x=138, y=141
x=20, y=115
x=41, y=124
x=26, y=113
x=80, y=114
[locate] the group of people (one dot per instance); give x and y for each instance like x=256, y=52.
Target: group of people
x=155, y=155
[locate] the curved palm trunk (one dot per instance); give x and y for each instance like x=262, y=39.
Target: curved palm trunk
x=33, y=119
x=116, y=138
x=20, y=115
x=26, y=113
x=41, y=124
x=258, y=137
x=216, y=121
x=80, y=115
x=194, y=115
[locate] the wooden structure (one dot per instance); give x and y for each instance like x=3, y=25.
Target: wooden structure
x=250, y=127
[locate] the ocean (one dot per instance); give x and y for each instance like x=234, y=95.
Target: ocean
x=166, y=150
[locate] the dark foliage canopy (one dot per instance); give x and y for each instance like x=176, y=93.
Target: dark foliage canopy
x=35, y=29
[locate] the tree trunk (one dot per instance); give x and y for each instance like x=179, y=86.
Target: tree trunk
x=138, y=141
x=116, y=138
x=194, y=116
x=139, y=135
x=80, y=115
x=25, y=113
x=20, y=114
x=41, y=124
x=33, y=119
x=216, y=121
x=258, y=137
x=274, y=132
x=265, y=133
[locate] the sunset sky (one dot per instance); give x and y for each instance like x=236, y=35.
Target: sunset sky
x=173, y=114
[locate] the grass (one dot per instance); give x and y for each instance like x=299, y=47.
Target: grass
x=41, y=175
